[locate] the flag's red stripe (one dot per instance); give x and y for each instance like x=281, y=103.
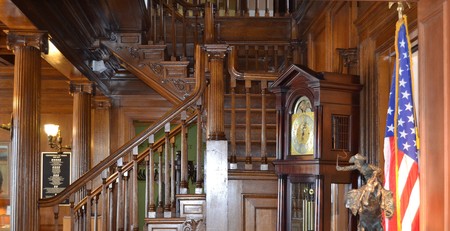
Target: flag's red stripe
x=392, y=223
x=405, y=197
x=416, y=222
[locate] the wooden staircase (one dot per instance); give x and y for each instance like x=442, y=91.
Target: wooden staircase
x=164, y=58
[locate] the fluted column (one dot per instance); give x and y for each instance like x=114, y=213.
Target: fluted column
x=25, y=156
x=216, y=126
x=82, y=93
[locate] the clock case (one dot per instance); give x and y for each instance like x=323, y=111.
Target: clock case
x=335, y=98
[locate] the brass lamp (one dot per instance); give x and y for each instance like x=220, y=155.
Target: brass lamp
x=54, y=137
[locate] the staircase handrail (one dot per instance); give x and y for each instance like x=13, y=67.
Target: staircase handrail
x=138, y=139
x=189, y=5
x=175, y=131
x=252, y=75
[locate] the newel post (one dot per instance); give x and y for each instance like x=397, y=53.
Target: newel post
x=216, y=127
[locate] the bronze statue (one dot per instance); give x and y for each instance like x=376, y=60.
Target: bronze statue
x=371, y=198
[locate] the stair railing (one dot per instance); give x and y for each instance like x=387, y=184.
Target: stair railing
x=114, y=200
x=249, y=86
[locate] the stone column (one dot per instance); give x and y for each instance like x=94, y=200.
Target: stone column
x=215, y=123
x=82, y=93
x=25, y=156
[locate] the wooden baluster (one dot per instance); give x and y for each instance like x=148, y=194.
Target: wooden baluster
x=287, y=8
x=276, y=4
x=152, y=23
x=266, y=58
x=287, y=54
x=196, y=39
x=256, y=58
x=227, y=8
x=134, y=194
x=55, y=216
x=167, y=205
x=275, y=58
x=82, y=219
x=238, y=7
x=95, y=202
x=151, y=207
x=72, y=212
x=178, y=171
x=246, y=8
x=160, y=209
x=248, y=134
x=256, y=8
x=161, y=23
x=172, y=176
x=126, y=197
x=87, y=215
x=174, y=34
x=264, y=165
x=184, y=155
x=75, y=220
x=267, y=13
x=119, y=201
x=185, y=25
x=104, y=200
x=233, y=159
x=111, y=207
x=155, y=26
x=199, y=176
x=246, y=57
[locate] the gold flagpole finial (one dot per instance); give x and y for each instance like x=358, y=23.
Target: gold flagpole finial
x=400, y=8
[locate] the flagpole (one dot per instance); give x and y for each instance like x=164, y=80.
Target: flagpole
x=397, y=65
x=400, y=21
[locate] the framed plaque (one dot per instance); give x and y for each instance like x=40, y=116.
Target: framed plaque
x=55, y=173
x=4, y=170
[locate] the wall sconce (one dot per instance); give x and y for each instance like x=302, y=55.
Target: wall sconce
x=54, y=137
x=7, y=127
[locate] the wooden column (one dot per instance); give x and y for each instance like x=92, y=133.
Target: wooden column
x=82, y=93
x=25, y=156
x=216, y=127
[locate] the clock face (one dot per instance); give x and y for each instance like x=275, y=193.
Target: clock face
x=302, y=133
x=302, y=128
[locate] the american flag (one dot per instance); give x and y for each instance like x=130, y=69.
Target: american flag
x=401, y=151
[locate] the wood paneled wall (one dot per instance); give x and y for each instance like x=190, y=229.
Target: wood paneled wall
x=332, y=29
x=434, y=114
x=252, y=201
x=429, y=25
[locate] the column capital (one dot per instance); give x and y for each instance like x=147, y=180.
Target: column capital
x=27, y=38
x=101, y=103
x=82, y=87
x=216, y=51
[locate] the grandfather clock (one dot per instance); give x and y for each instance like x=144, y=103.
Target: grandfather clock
x=317, y=122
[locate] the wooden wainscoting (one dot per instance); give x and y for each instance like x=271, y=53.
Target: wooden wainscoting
x=252, y=201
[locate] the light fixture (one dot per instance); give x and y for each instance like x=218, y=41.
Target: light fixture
x=7, y=127
x=54, y=137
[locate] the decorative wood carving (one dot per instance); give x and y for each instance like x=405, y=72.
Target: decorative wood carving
x=168, y=78
x=22, y=38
